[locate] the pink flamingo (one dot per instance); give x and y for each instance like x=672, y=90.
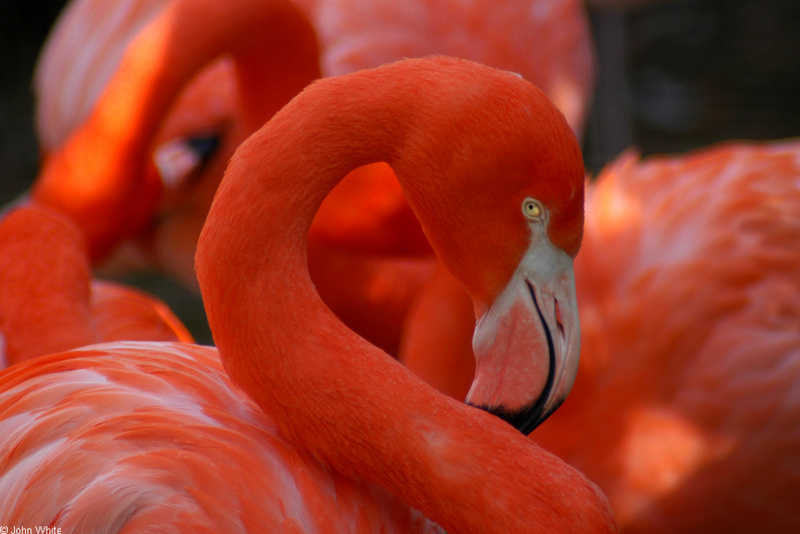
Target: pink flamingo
x=135, y=434
x=116, y=192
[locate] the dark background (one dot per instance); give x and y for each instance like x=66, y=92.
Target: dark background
x=673, y=75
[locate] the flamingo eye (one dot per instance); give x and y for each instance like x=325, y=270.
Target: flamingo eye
x=533, y=209
x=179, y=160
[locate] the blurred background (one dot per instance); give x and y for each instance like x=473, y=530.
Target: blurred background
x=672, y=75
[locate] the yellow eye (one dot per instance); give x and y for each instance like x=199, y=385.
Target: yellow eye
x=532, y=209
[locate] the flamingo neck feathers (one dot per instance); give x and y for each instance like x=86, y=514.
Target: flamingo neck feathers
x=275, y=53
x=44, y=305
x=329, y=391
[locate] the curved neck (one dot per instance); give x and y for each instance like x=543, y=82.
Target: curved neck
x=347, y=402
x=98, y=177
x=44, y=285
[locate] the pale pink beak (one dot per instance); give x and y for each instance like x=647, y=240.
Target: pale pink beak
x=527, y=343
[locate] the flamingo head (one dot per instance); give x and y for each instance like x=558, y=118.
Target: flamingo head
x=527, y=341
x=120, y=174
x=512, y=203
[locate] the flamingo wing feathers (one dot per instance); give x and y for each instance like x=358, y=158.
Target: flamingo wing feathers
x=133, y=434
x=690, y=312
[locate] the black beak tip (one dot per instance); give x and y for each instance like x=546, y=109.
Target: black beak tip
x=525, y=420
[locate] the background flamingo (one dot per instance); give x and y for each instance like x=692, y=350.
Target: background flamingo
x=49, y=303
x=192, y=146
x=125, y=192
x=89, y=38
x=546, y=41
x=317, y=355
x=688, y=415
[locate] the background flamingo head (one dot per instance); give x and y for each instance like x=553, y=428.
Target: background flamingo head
x=104, y=175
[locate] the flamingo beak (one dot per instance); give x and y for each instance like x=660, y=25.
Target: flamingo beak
x=527, y=343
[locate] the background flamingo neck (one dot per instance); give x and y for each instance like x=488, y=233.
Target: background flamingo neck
x=44, y=303
x=275, y=53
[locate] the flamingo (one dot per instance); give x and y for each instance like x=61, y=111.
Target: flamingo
x=368, y=255
x=686, y=410
x=117, y=192
x=327, y=432
x=187, y=154
x=49, y=303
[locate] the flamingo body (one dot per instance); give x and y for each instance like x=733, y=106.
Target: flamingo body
x=124, y=436
x=121, y=313
x=686, y=409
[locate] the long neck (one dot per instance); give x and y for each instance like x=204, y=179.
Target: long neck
x=345, y=401
x=44, y=285
x=98, y=177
